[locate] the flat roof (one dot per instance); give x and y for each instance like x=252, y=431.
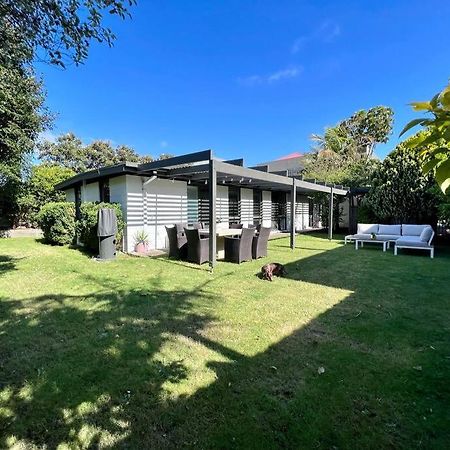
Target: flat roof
x=194, y=168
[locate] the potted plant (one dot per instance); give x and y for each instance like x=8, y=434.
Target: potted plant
x=141, y=242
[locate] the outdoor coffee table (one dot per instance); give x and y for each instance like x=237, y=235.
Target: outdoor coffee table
x=372, y=241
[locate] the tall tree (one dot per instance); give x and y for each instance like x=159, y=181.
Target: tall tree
x=39, y=189
x=56, y=31
x=366, y=129
x=357, y=136
x=344, y=153
x=22, y=118
x=68, y=151
x=434, y=146
x=400, y=192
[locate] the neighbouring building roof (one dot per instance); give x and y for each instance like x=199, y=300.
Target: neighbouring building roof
x=290, y=156
x=292, y=164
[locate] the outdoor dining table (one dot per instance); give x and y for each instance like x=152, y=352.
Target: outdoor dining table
x=220, y=238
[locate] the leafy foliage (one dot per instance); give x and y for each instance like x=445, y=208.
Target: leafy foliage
x=62, y=29
x=400, y=192
x=434, y=146
x=22, y=118
x=344, y=154
x=444, y=210
x=39, y=189
x=86, y=224
x=57, y=221
x=141, y=237
x=365, y=129
x=69, y=151
x=357, y=136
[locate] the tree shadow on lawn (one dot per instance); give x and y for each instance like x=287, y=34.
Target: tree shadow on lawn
x=7, y=263
x=382, y=349
x=72, y=364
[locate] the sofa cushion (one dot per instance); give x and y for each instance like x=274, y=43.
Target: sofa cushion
x=362, y=236
x=388, y=237
x=411, y=241
x=413, y=230
x=426, y=234
x=367, y=228
x=390, y=229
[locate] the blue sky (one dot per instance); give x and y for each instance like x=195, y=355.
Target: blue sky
x=251, y=78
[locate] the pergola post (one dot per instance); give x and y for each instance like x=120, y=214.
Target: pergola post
x=212, y=185
x=330, y=216
x=293, y=201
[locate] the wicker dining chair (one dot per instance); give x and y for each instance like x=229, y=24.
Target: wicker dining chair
x=239, y=249
x=177, y=243
x=198, y=225
x=197, y=247
x=260, y=241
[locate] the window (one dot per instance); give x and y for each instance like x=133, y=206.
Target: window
x=104, y=190
x=257, y=205
x=234, y=197
x=203, y=204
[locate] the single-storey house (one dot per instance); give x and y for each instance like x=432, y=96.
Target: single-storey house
x=179, y=189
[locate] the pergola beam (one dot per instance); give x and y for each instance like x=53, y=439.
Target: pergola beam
x=191, y=170
x=244, y=172
x=190, y=158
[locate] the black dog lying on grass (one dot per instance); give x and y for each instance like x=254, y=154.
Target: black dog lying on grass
x=270, y=270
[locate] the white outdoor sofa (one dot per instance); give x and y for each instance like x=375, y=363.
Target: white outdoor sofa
x=417, y=237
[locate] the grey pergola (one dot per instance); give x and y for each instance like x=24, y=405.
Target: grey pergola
x=203, y=167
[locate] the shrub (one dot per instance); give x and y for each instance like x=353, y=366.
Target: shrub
x=400, y=192
x=39, y=189
x=57, y=221
x=86, y=225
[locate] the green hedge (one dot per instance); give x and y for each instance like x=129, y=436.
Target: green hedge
x=86, y=225
x=57, y=221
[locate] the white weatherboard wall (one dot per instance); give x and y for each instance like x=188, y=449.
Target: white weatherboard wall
x=302, y=213
x=246, y=206
x=165, y=203
x=267, y=209
x=70, y=195
x=118, y=192
x=90, y=192
x=135, y=210
x=222, y=210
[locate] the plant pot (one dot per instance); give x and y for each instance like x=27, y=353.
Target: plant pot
x=141, y=248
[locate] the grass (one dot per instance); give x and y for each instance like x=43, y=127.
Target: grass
x=154, y=353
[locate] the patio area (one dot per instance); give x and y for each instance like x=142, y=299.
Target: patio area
x=204, y=169
x=349, y=350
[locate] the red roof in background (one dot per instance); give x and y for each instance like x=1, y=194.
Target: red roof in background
x=291, y=156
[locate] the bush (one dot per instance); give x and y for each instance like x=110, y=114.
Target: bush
x=57, y=221
x=400, y=192
x=86, y=225
x=39, y=189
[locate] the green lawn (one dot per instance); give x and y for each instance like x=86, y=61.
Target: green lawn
x=150, y=353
